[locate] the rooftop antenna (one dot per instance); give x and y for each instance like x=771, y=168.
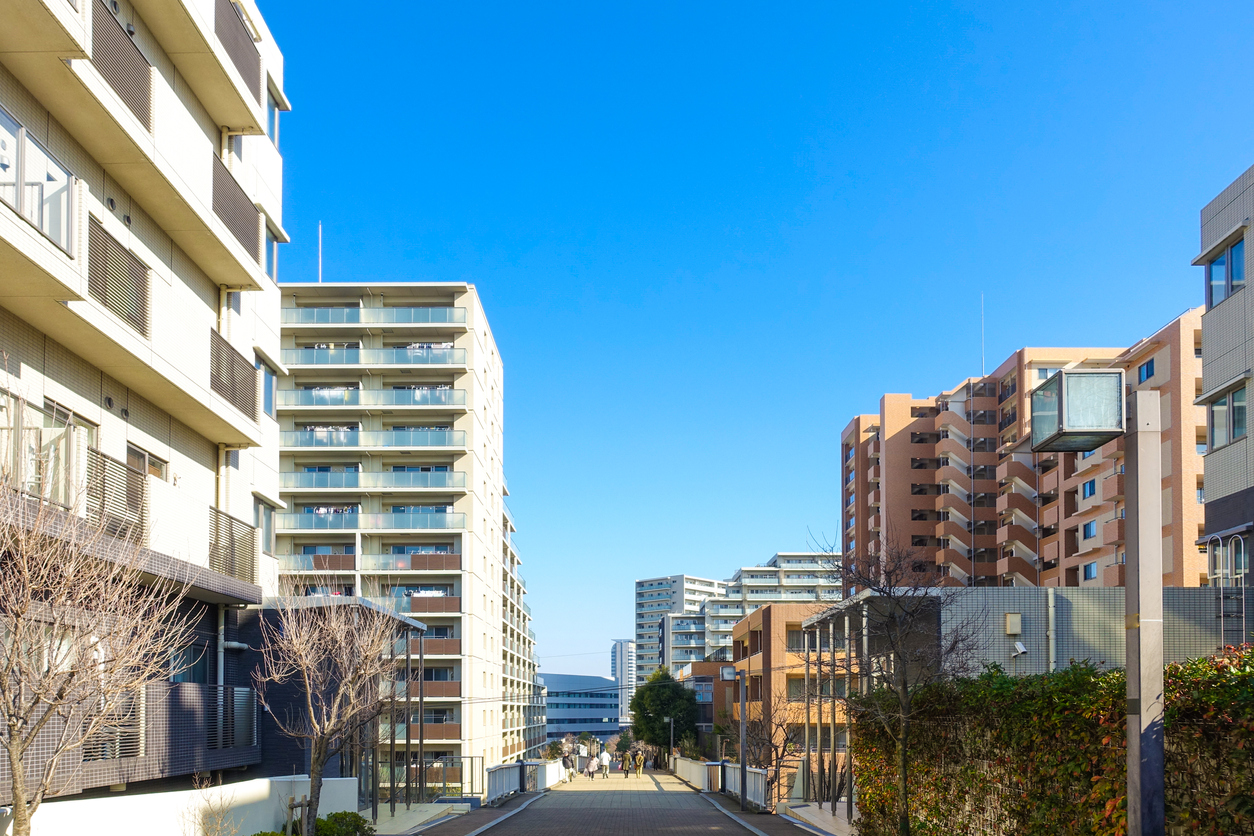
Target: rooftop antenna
x=981, y=305
x=320, y=268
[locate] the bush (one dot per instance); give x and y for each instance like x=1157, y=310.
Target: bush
x=1047, y=753
x=343, y=824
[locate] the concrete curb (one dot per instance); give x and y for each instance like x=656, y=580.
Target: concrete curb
x=729, y=815
x=513, y=812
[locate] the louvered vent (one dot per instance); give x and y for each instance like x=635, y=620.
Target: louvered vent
x=233, y=207
x=121, y=63
x=116, y=278
x=117, y=498
x=232, y=376
x=238, y=43
x=232, y=546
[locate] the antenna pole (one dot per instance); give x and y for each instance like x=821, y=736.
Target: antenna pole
x=320, y=268
x=982, y=372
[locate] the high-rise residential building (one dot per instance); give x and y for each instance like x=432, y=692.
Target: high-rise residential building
x=576, y=704
x=1227, y=346
x=623, y=672
x=391, y=469
x=952, y=476
x=654, y=598
x=138, y=322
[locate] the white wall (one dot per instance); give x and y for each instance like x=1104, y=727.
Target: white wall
x=256, y=806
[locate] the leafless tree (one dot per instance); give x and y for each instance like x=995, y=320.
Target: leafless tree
x=335, y=651
x=84, y=626
x=772, y=731
x=211, y=813
x=919, y=631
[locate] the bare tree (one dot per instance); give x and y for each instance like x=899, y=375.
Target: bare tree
x=335, y=651
x=211, y=813
x=918, y=632
x=84, y=626
x=772, y=731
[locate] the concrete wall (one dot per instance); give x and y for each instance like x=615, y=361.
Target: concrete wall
x=257, y=805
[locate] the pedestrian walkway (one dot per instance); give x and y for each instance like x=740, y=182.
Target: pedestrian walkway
x=654, y=803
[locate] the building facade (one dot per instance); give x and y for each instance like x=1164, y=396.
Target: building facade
x=952, y=476
x=623, y=672
x=138, y=318
x=654, y=598
x=576, y=704
x=391, y=452
x=1227, y=346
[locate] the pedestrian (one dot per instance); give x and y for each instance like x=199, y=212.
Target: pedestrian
x=590, y=768
x=605, y=763
x=639, y=763
x=625, y=765
x=569, y=766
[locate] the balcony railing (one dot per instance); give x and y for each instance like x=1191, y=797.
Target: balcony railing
x=374, y=356
x=372, y=397
x=430, y=562
x=317, y=562
x=232, y=376
x=121, y=63
x=117, y=498
x=235, y=208
x=372, y=316
x=229, y=26
x=353, y=522
x=231, y=716
x=232, y=546
x=421, y=603
x=373, y=438
x=369, y=481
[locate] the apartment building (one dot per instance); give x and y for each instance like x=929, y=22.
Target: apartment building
x=623, y=672
x=1227, y=346
x=138, y=321
x=952, y=476
x=391, y=449
x=654, y=598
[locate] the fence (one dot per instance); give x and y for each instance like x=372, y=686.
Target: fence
x=704, y=776
x=755, y=788
x=522, y=776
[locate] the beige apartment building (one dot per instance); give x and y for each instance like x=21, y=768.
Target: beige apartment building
x=139, y=319
x=951, y=475
x=392, y=475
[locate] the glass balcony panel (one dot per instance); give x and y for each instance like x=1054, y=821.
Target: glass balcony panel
x=351, y=316
x=389, y=479
x=353, y=522
x=372, y=397
x=384, y=438
x=374, y=356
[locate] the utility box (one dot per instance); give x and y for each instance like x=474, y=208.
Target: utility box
x=1077, y=410
x=1014, y=624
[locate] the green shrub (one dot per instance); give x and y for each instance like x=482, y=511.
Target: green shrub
x=343, y=824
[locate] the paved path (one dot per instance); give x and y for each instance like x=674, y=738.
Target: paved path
x=616, y=806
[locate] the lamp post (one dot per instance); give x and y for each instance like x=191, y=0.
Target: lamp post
x=670, y=753
x=1079, y=410
x=728, y=673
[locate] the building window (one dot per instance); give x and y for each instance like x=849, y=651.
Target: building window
x=145, y=462
x=190, y=664
x=1090, y=529
x=1045, y=374
x=1225, y=274
x=272, y=255
x=44, y=198
x=1228, y=418
x=1090, y=571
x=272, y=118
x=269, y=382
x=1084, y=454
x=263, y=518
x=1088, y=489
x=1145, y=371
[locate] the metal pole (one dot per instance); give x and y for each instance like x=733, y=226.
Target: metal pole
x=1143, y=617
x=818, y=641
x=409, y=677
x=392, y=734
x=848, y=717
x=744, y=763
x=831, y=774
x=670, y=756
x=422, y=718
x=805, y=635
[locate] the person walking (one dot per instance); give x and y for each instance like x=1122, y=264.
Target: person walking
x=569, y=766
x=626, y=764
x=591, y=768
x=639, y=763
x=605, y=764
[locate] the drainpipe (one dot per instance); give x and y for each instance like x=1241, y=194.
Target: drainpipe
x=1053, y=631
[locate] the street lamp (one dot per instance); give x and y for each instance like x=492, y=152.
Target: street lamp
x=728, y=673
x=1079, y=410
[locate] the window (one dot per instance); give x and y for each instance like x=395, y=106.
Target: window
x=1045, y=374
x=44, y=198
x=1201, y=496
x=1090, y=529
x=190, y=664
x=145, y=462
x=1145, y=371
x=272, y=255
x=1225, y=274
x=1088, y=489
x=1090, y=571
x=272, y=118
x=263, y=518
x=269, y=382
x=1228, y=418
x=1086, y=453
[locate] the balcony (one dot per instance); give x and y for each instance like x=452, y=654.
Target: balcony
x=953, y=448
x=1113, y=487
x=374, y=356
x=437, y=647
x=334, y=397
x=387, y=480
x=1014, y=469
x=232, y=375
x=422, y=603
x=1050, y=480
x=873, y=473
x=873, y=498
x=953, y=530
x=1113, y=449
x=1114, y=575
x=952, y=501
x=1050, y=515
x=1015, y=501
x=425, y=562
x=374, y=316
x=953, y=475
x=317, y=562
x=1014, y=533
x=873, y=447
x=951, y=421
x=954, y=559
x=876, y=522
x=438, y=731
x=1113, y=531
x=432, y=689
x=232, y=547
x=370, y=522
x=1016, y=565
x=347, y=439
x=1051, y=550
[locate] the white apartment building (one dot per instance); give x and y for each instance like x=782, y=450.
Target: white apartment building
x=623, y=672
x=655, y=597
x=139, y=313
x=391, y=457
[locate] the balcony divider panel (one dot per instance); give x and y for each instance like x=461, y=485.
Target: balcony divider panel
x=116, y=278
x=120, y=62
x=117, y=498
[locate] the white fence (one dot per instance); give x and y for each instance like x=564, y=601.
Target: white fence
x=701, y=774
x=528, y=776
x=755, y=790
x=504, y=780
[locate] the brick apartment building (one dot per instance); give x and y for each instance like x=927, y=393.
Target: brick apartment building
x=952, y=477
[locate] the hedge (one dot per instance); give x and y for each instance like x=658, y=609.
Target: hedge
x=1046, y=754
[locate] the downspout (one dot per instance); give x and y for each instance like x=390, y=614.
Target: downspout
x=1053, y=631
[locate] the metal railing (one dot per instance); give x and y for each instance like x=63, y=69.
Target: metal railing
x=231, y=375
x=374, y=356
x=371, y=316
x=231, y=717
x=232, y=32
x=702, y=775
x=756, y=784
x=121, y=64
x=117, y=497
x=367, y=480
x=232, y=546
x=373, y=438
x=353, y=522
x=331, y=396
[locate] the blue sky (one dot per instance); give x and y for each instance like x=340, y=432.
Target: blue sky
x=708, y=234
